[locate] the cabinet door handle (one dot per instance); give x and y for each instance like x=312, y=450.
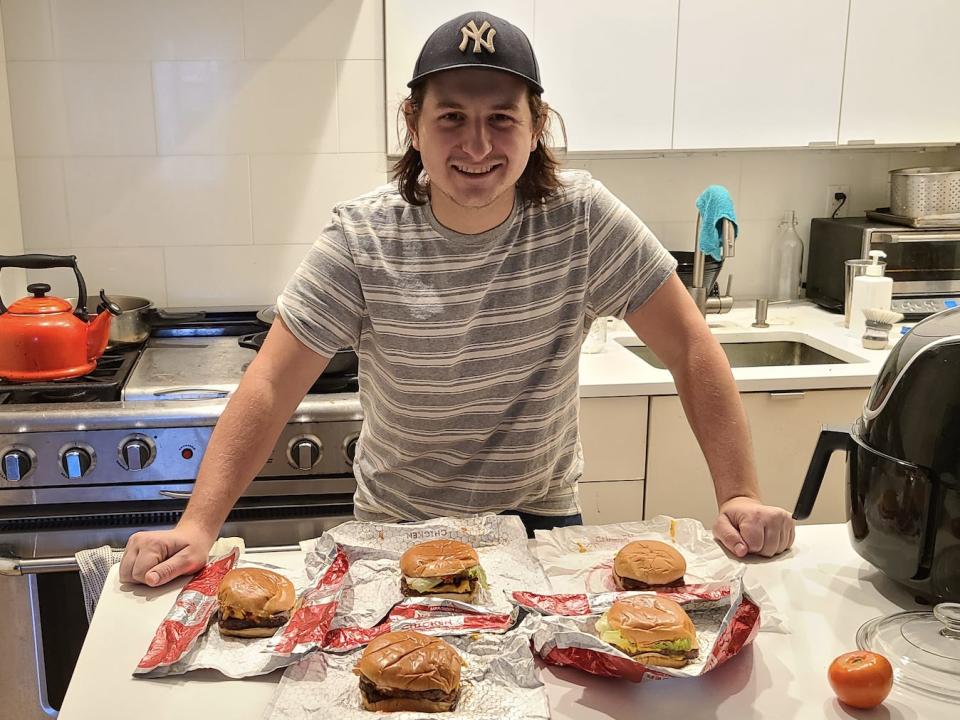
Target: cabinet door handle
x=795, y=395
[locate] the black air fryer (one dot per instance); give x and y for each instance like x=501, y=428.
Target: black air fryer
x=903, y=463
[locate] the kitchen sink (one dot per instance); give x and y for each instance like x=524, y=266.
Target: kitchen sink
x=758, y=353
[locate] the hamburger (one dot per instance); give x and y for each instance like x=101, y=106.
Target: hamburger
x=646, y=564
x=441, y=568
x=652, y=630
x=254, y=602
x=410, y=671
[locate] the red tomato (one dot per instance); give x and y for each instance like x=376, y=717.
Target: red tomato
x=861, y=679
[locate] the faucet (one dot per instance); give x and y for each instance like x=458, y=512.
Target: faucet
x=711, y=304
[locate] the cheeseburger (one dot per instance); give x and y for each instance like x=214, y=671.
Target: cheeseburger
x=254, y=602
x=648, y=564
x=653, y=630
x=441, y=568
x=406, y=670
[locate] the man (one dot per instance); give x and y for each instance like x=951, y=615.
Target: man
x=466, y=289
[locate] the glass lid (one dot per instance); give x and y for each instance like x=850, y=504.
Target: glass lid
x=922, y=646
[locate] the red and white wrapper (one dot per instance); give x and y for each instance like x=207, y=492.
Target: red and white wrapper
x=498, y=682
x=373, y=550
x=182, y=643
x=725, y=617
x=579, y=559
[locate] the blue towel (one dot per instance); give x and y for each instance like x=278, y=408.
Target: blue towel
x=714, y=205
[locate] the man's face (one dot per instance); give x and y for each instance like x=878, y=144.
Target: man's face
x=475, y=134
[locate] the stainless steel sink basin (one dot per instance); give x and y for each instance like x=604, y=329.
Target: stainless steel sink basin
x=768, y=353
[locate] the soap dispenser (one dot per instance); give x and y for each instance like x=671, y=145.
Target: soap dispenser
x=872, y=290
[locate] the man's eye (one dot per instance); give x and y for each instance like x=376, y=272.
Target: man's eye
x=500, y=118
x=451, y=116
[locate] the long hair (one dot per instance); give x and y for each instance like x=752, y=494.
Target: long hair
x=540, y=179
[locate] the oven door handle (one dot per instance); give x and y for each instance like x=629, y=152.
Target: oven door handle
x=19, y=566
x=188, y=393
x=176, y=494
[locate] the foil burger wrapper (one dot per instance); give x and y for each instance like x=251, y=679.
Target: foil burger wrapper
x=373, y=552
x=187, y=639
x=725, y=617
x=579, y=559
x=498, y=682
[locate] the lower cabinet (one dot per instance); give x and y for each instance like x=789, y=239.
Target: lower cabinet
x=784, y=427
x=611, y=502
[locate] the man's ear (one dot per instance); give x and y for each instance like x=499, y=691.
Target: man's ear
x=538, y=131
x=409, y=119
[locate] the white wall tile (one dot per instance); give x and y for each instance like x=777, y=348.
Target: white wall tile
x=11, y=239
x=234, y=107
x=26, y=29
x=293, y=195
x=138, y=202
x=38, y=108
x=120, y=271
x=674, y=235
x=147, y=29
x=6, y=126
x=110, y=108
x=43, y=203
x=666, y=188
x=360, y=105
x=233, y=275
x=313, y=29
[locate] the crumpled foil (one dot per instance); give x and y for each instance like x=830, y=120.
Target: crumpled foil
x=499, y=682
x=579, y=559
x=373, y=550
x=187, y=639
x=726, y=620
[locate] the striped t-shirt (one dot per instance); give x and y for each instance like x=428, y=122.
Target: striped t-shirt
x=469, y=344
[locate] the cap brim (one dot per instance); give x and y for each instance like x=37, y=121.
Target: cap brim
x=474, y=66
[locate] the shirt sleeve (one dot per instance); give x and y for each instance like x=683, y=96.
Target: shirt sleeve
x=323, y=303
x=627, y=262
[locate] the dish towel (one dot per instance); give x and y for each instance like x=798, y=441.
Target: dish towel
x=95, y=566
x=714, y=205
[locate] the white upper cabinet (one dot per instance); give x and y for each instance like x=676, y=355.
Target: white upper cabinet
x=608, y=69
x=408, y=24
x=755, y=73
x=902, y=72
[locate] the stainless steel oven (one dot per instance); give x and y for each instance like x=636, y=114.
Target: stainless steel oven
x=923, y=262
x=80, y=468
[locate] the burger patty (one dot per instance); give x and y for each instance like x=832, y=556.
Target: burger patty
x=408, y=591
x=248, y=621
x=631, y=584
x=374, y=693
x=691, y=654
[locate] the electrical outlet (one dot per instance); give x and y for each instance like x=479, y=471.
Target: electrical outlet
x=832, y=202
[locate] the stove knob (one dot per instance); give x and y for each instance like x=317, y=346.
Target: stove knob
x=135, y=454
x=16, y=465
x=305, y=453
x=350, y=449
x=76, y=462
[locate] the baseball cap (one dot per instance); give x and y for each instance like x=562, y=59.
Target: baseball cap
x=478, y=40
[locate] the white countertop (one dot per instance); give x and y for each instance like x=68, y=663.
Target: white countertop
x=616, y=371
x=821, y=587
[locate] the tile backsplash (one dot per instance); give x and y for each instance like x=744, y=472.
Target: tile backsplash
x=190, y=150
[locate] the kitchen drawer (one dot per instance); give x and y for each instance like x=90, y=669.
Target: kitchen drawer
x=611, y=502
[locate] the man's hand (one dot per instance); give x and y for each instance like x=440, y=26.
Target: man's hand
x=155, y=558
x=746, y=526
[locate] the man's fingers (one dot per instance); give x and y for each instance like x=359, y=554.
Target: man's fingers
x=752, y=534
x=726, y=533
x=771, y=539
x=175, y=566
x=128, y=560
x=147, y=559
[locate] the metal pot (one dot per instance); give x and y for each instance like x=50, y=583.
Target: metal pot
x=345, y=362
x=137, y=315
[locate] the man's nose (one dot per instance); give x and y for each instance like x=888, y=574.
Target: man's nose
x=476, y=140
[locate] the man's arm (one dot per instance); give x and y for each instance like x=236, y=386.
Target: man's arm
x=670, y=324
x=244, y=436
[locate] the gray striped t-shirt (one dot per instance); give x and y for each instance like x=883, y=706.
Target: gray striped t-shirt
x=469, y=344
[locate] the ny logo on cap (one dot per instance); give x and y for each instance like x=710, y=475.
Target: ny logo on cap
x=472, y=32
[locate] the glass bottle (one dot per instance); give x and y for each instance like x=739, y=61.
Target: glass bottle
x=787, y=259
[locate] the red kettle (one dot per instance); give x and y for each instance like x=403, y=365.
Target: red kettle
x=44, y=337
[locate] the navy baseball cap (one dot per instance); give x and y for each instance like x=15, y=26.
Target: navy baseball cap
x=478, y=40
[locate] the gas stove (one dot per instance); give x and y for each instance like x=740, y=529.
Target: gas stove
x=123, y=445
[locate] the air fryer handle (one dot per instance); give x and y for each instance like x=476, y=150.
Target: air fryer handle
x=831, y=439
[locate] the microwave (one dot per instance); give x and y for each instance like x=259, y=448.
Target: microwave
x=924, y=263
